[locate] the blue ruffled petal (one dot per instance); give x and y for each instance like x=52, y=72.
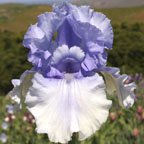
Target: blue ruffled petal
x=88, y=64
x=100, y=21
x=49, y=23
x=84, y=14
x=34, y=39
x=88, y=33
x=39, y=40
x=67, y=36
x=75, y=27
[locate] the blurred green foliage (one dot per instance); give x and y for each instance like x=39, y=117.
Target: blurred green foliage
x=127, y=53
x=128, y=49
x=12, y=59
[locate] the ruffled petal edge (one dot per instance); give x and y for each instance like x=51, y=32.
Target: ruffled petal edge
x=116, y=83
x=21, y=87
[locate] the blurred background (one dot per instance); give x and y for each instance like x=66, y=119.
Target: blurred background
x=127, y=17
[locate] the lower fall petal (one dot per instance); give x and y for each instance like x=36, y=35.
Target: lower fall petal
x=116, y=83
x=64, y=106
x=21, y=87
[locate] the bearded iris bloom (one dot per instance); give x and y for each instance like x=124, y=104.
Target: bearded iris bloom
x=67, y=86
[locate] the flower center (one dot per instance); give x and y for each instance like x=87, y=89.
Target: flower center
x=67, y=60
x=69, y=77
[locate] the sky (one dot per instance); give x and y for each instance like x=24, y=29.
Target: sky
x=92, y=3
x=32, y=1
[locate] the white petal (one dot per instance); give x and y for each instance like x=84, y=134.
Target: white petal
x=21, y=87
x=3, y=138
x=34, y=32
x=64, y=106
x=115, y=83
x=64, y=51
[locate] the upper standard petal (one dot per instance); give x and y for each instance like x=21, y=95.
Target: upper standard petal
x=84, y=14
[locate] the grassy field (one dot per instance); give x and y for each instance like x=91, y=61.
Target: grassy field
x=16, y=17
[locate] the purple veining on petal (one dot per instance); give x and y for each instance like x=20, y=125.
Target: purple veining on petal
x=67, y=36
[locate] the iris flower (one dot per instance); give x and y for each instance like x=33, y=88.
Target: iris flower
x=3, y=138
x=66, y=88
x=4, y=125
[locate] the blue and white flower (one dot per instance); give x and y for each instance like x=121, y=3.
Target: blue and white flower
x=65, y=90
x=10, y=108
x=4, y=125
x=3, y=138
